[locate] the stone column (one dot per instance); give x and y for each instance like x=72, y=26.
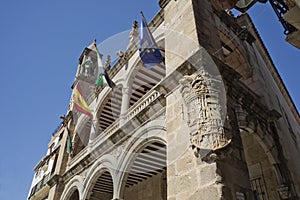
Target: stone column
x=56, y=188
x=126, y=93
x=94, y=123
x=94, y=129
x=211, y=166
x=53, y=193
x=190, y=25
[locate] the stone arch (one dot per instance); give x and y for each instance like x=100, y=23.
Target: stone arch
x=75, y=195
x=153, y=131
x=119, y=83
x=75, y=184
x=104, y=166
x=106, y=92
x=261, y=162
x=266, y=142
x=261, y=153
x=109, y=109
x=143, y=80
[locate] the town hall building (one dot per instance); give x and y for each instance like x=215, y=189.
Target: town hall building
x=212, y=121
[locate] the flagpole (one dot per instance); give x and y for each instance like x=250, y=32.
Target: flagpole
x=149, y=51
x=94, y=127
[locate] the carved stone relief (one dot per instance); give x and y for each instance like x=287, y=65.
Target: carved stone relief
x=204, y=113
x=284, y=192
x=134, y=33
x=118, y=150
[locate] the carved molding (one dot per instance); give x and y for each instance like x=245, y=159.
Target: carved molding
x=223, y=4
x=119, y=150
x=134, y=34
x=163, y=3
x=126, y=90
x=203, y=113
x=284, y=192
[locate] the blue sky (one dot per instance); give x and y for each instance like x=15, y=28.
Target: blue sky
x=41, y=42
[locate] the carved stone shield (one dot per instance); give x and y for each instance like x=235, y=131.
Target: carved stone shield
x=203, y=113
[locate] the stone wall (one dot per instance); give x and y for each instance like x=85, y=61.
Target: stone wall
x=260, y=166
x=250, y=83
x=148, y=189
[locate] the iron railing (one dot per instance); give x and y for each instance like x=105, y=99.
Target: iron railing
x=280, y=8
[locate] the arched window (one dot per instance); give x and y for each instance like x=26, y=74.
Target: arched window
x=74, y=195
x=102, y=188
x=110, y=108
x=146, y=175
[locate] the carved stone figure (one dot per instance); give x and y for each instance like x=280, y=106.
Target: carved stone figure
x=107, y=63
x=203, y=113
x=284, y=191
x=134, y=33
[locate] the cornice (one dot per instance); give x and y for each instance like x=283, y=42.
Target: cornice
x=163, y=3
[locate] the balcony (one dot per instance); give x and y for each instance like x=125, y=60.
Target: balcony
x=41, y=189
x=148, y=107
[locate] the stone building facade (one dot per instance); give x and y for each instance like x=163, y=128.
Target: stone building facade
x=215, y=121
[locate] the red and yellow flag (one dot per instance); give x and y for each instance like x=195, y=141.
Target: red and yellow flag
x=79, y=102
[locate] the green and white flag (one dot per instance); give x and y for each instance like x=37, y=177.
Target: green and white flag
x=102, y=74
x=100, y=81
x=69, y=148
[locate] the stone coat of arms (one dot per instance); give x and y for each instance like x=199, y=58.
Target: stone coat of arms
x=204, y=113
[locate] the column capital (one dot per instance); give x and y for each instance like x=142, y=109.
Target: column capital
x=126, y=90
x=126, y=93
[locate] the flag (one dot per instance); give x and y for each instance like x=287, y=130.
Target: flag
x=100, y=81
x=102, y=72
x=69, y=147
x=79, y=102
x=108, y=80
x=149, y=52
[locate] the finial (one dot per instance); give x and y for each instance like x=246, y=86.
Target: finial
x=120, y=53
x=135, y=24
x=95, y=42
x=133, y=35
x=107, y=63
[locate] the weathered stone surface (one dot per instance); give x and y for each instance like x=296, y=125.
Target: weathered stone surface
x=259, y=131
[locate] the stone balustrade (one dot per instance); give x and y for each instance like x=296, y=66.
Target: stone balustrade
x=133, y=111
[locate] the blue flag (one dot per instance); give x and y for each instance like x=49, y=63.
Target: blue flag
x=149, y=52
